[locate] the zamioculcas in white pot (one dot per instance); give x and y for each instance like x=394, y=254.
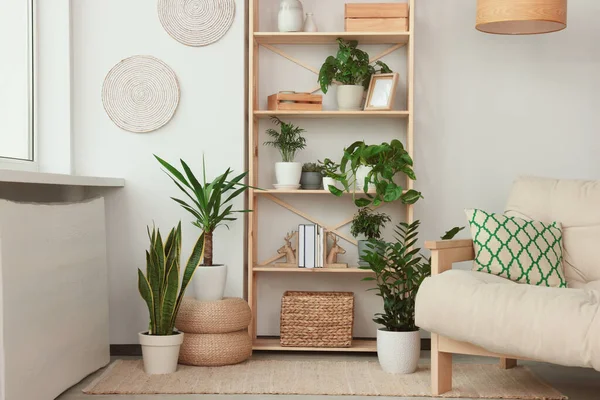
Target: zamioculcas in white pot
x=350, y=68
x=399, y=271
x=288, y=141
x=160, y=290
x=210, y=204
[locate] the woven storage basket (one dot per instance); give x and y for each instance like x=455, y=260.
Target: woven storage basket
x=317, y=319
x=221, y=316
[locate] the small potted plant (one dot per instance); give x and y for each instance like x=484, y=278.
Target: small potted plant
x=329, y=171
x=210, y=204
x=375, y=166
x=288, y=141
x=311, y=178
x=160, y=290
x=367, y=225
x=399, y=271
x=352, y=70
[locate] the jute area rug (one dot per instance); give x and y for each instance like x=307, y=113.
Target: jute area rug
x=364, y=378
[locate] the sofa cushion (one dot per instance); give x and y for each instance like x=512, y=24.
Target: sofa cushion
x=523, y=251
x=560, y=326
x=576, y=205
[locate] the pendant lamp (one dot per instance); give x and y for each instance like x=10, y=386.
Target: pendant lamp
x=521, y=17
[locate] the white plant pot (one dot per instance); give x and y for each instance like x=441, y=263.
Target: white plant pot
x=329, y=182
x=291, y=16
x=398, y=352
x=288, y=173
x=350, y=97
x=160, y=353
x=209, y=282
x=361, y=174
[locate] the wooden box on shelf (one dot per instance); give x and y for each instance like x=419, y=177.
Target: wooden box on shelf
x=317, y=319
x=376, y=17
x=295, y=102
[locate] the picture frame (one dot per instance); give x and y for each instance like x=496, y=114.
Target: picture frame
x=382, y=92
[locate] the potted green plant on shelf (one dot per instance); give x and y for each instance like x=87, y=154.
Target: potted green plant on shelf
x=399, y=271
x=374, y=166
x=351, y=68
x=210, y=204
x=367, y=225
x=329, y=171
x=311, y=178
x=160, y=290
x=288, y=140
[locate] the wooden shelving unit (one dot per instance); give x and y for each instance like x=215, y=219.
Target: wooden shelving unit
x=397, y=40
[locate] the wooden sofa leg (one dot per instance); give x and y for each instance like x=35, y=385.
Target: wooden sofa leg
x=441, y=369
x=507, y=363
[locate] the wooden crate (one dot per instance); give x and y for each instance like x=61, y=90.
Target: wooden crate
x=376, y=17
x=301, y=102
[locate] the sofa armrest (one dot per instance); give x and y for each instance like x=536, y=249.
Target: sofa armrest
x=444, y=253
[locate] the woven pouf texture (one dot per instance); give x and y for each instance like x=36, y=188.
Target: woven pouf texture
x=140, y=94
x=214, y=349
x=196, y=22
x=221, y=316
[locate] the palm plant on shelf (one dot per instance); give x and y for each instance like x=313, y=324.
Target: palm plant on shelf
x=289, y=141
x=210, y=203
x=351, y=68
x=399, y=270
x=367, y=224
x=161, y=292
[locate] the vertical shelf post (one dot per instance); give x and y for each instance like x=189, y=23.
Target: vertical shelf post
x=410, y=57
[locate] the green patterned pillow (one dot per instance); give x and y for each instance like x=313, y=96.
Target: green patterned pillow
x=520, y=250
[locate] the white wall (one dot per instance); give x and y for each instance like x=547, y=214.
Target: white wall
x=209, y=120
x=488, y=108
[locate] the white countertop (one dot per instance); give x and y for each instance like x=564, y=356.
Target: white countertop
x=10, y=176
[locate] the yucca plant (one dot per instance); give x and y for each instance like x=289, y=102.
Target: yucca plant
x=160, y=286
x=207, y=204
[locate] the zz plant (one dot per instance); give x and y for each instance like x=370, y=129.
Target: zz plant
x=384, y=161
x=368, y=223
x=288, y=140
x=350, y=66
x=160, y=286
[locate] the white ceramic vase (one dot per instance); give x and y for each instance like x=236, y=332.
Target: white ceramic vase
x=288, y=173
x=350, y=97
x=309, y=23
x=160, y=353
x=209, y=282
x=398, y=352
x=291, y=16
x=361, y=174
x=329, y=182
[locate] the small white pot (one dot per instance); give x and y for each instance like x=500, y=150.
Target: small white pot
x=160, y=353
x=398, y=352
x=329, y=182
x=361, y=174
x=288, y=173
x=209, y=282
x=291, y=16
x=350, y=97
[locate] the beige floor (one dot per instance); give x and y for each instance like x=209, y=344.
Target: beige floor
x=577, y=383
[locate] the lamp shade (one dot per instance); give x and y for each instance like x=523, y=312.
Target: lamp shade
x=521, y=17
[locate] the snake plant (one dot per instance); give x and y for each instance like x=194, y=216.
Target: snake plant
x=160, y=286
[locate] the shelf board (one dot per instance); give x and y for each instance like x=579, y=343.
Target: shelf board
x=332, y=114
x=331, y=37
x=302, y=191
x=350, y=270
x=358, y=346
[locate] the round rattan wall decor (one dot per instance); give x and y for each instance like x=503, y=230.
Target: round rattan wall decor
x=196, y=22
x=140, y=94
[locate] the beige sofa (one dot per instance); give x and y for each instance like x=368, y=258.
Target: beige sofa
x=480, y=314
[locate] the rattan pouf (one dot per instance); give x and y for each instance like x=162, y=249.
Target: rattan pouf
x=216, y=332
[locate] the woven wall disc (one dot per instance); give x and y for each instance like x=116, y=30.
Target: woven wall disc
x=140, y=94
x=196, y=22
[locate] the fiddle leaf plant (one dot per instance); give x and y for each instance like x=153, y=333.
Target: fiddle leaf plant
x=350, y=66
x=399, y=271
x=288, y=141
x=209, y=202
x=383, y=161
x=160, y=286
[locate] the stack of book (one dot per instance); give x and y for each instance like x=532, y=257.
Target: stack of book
x=311, y=246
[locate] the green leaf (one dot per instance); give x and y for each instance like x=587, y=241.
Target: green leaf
x=411, y=196
x=174, y=172
x=188, y=273
x=452, y=232
x=146, y=293
x=335, y=191
x=362, y=202
x=392, y=193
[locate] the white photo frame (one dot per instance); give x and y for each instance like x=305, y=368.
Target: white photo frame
x=382, y=92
